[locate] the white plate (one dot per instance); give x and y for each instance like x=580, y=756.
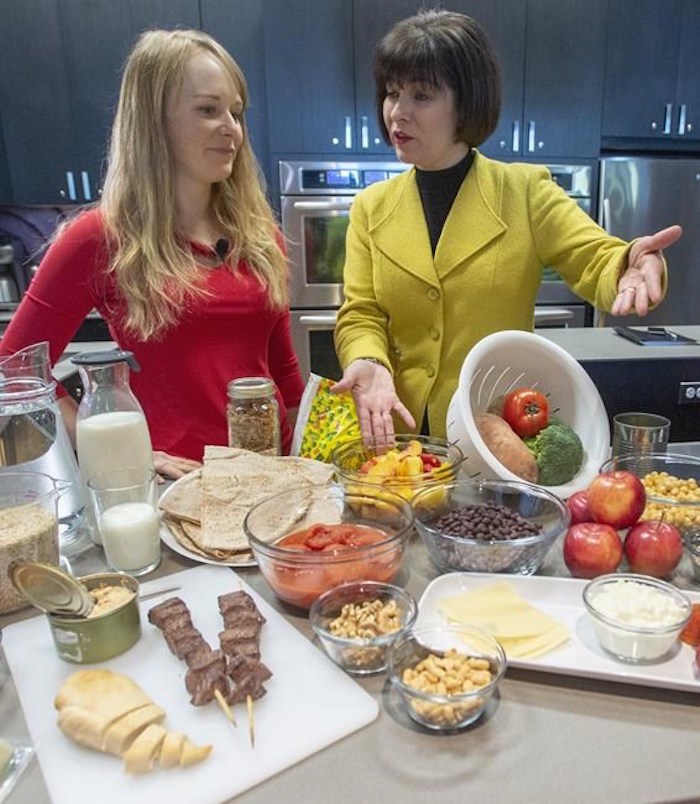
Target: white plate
x=581, y=655
x=167, y=537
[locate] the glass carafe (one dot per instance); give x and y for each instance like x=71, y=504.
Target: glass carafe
x=111, y=428
x=33, y=437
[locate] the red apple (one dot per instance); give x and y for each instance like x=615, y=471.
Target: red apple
x=592, y=548
x=616, y=498
x=653, y=547
x=578, y=508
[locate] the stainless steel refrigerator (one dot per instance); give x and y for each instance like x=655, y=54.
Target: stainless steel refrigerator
x=639, y=196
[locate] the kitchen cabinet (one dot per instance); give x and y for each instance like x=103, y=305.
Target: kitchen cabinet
x=321, y=50
x=552, y=62
x=60, y=68
x=238, y=26
x=652, y=90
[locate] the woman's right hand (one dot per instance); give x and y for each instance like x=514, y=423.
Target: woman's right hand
x=372, y=388
x=172, y=467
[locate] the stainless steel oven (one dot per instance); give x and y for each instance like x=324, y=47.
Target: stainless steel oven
x=315, y=202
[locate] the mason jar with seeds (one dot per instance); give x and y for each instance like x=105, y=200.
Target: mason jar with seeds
x=253, y=415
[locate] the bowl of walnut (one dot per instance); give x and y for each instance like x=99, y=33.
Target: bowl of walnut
x=357, y=623
x=445, y=676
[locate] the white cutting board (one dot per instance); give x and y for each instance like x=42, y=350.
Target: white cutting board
x=310, y=703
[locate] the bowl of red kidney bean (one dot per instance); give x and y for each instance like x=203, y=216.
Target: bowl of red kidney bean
x=489, y=525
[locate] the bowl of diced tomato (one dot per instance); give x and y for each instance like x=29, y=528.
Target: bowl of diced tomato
x=310, y=539
x=409, y=464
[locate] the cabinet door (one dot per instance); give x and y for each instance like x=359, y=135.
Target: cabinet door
x=238, y=26
x=686, y=122
x=309, y=76
x=97, y=37
x=641, y=68
x=35, y=102
x=563, y=78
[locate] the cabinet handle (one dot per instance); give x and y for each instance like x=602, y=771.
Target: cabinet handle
x=86, y=185
x=667, y=118
x=531, y=137
x=364, y=132
x=516, y=136
x=682, y=114
x=605, y=219
x=348, y=132
x=70, y=180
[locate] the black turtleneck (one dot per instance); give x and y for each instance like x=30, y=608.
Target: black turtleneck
x=438, y=190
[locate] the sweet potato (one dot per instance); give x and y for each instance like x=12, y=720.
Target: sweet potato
x=506, y=446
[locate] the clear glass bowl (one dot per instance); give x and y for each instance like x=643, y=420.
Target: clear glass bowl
x=297, y=575
x=362, y=654
x=677, y=503
x=522, y=555
x=349, y=458
x=619, y=635
x=446, y=711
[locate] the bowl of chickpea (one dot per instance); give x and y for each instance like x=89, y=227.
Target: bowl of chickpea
x=357, y=623
x=672, y=486
x=445, y=676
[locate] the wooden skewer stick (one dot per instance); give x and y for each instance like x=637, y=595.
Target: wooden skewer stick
x=251, y=722
x=225, y=707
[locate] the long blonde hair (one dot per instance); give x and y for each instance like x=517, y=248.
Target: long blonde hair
x=154, y=270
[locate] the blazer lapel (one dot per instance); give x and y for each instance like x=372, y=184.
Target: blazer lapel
x=402, y=235
x=472, y=223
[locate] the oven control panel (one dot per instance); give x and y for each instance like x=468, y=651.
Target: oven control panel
x=334, y=178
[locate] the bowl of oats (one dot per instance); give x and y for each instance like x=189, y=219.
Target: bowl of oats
x=357, y=623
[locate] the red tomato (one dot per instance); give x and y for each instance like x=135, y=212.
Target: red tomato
x=526, y=411
x=430, y=461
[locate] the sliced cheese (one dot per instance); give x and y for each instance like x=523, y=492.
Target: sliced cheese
x=523, y=630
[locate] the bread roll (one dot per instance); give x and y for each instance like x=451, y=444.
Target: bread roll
x=141, y=755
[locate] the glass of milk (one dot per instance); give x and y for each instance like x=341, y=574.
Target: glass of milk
x=124, y=503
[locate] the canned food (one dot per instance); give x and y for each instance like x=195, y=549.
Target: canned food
x=111, y=628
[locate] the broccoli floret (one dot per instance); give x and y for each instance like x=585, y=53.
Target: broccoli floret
x=558, y=452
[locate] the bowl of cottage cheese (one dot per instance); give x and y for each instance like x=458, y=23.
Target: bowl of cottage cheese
x=636, y=618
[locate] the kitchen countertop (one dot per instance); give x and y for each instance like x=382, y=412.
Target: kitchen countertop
x=602, y=343
x=550, y=738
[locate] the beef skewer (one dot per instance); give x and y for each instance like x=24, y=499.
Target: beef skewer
x=206, y=677
x=240, y=642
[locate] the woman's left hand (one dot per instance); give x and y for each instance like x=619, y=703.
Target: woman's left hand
x=172, y=466
x=641, y=286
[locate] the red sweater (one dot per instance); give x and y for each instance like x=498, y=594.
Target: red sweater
x=182, y=384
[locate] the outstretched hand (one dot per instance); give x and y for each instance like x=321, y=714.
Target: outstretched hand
x=640, y=286
x=372, y=388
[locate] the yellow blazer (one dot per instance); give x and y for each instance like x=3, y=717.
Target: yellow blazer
x=420, y=314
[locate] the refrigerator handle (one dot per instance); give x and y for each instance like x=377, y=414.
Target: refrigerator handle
x=667, y=118
x=682, y=114
x=605, y=222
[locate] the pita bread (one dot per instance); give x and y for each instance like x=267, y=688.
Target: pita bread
x=234, y=480
x=185, y=500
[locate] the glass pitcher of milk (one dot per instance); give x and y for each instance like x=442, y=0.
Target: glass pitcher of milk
x=111, y=428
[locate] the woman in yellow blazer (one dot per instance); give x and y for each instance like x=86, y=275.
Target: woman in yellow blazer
x=453, y=250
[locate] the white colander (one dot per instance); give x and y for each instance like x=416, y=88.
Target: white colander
x=512, y=359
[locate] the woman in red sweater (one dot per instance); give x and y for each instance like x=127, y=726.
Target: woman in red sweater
x=181, y=256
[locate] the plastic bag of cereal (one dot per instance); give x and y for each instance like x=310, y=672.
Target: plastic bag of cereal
x=325, y=421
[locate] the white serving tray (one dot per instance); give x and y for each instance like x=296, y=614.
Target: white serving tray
x=581, y=655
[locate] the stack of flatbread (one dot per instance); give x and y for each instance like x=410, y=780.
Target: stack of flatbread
x=205, y=510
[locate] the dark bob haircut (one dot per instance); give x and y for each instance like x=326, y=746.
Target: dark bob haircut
x=444, y=50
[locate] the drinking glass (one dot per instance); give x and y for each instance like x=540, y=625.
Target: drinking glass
x=124, y=503
x=638, y=434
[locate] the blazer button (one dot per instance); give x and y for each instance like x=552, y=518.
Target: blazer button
x=430, y=371
x=433, y=294
x=434, y=333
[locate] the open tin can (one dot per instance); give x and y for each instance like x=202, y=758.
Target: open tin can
x=109, y=629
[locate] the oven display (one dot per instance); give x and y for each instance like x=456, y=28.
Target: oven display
x=372, y=176
x=331, y=179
